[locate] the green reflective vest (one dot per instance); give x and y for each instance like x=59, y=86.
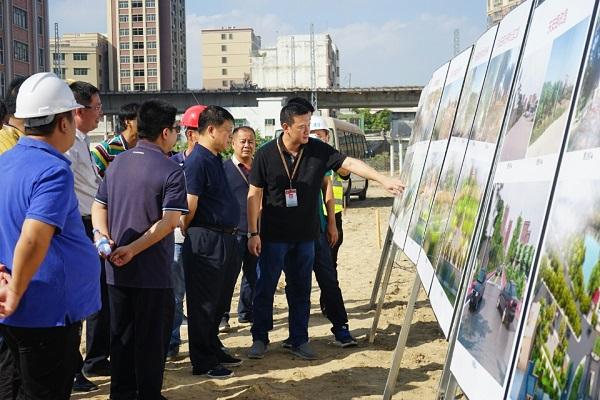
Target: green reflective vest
x=338, y=194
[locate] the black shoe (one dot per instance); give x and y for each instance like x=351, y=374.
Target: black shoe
x=244, y=320
x=218, y=372
x=228, y=361
x=82, y=384
x=173, y=353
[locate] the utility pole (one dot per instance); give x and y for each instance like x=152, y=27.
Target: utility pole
x=456, y=42
x=57, y=57
x=313, y=70
x=293, y=62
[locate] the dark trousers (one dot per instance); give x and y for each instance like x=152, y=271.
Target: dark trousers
x=207, y=257
x=97, y=333
x=326, y=274
x=334, y=252
x=296, y=259
x=245, y=262
x=38, y=363
x=141, y=321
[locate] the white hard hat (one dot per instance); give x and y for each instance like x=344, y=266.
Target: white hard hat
x=44, y=95
x=317, y=123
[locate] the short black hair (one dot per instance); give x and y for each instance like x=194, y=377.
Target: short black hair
x=244, y=128
x=10, y=100
x=153, y=116
x=3, y=112
x=46, y=130
x=291, y=110
x=83, y=92
x=127, y=113
x=213, y=115
x=303, y=101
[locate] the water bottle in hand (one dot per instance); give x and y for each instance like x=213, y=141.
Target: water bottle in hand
x=103, y=247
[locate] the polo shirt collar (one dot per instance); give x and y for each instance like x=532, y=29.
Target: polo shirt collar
x=145, y=144
x=285, y=149
x=208, y=152
x=39, y=144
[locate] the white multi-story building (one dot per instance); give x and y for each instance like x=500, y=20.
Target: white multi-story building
x=497, y=9
x=148, y=44
x=288, y=64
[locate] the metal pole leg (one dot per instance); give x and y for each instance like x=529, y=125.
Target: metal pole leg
x=401, y=345
x=382, y=261
x=451, y=389
x=386, y=281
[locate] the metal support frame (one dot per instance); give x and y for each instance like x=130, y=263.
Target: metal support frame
x=386, y=280
x=402, y=338
x=384, y=254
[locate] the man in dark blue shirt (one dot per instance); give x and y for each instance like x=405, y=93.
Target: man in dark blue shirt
x=141, y=199
x=237, y=170
x=210, y=246
x=54, y=268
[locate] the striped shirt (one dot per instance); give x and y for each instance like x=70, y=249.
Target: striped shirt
x=106, y=151
x=9, y=136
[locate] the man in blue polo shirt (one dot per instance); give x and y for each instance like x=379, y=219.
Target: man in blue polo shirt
x=141, y=199
x=209, y=249
x=54, y=267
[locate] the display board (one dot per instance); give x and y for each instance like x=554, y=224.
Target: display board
x=440, y=138
x=457, y=147
x=532, y=137
x=422, y=129
x=559, y=354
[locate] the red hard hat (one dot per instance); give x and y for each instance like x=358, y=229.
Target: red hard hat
x=191, y=116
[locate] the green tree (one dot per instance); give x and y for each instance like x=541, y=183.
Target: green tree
x=594, y=282
x=496, y=253
x=514, y=241
x=381, y=120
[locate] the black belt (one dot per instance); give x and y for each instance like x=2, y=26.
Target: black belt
x=86, y=217
x=217, y=228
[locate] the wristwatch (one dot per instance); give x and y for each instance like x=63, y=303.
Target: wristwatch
x=250, y=234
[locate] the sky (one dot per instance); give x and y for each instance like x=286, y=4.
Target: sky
x=381, y=42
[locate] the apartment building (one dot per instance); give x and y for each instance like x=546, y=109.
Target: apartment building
x=147, y=45
x=497, y=9
x=226, y=56
x=23, y=39
x=82, y=57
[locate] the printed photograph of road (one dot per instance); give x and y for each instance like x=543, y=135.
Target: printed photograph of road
x=559, y=356
x=505, y=254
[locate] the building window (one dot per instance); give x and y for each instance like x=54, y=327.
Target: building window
x=269, y=122
x=151, y=31
x=41, y=58
x=138, y=87
x=138, y=59
x=125, y=59
x=124, y=18
x=151, y=45
x=224, y=83
x=223, y=36
x=224, y=60
x=123, y=32
x=152, y=59
x=40, y=25
x=138, y=45
x=137, y=31
x=58, y=57
x=223, y=47
x=80, y=71
x=224, y=71
x=123, y=4
x=80, y=56
x=137, y=18
x=124, y=73
x=20, y=17
x=152, y=86
x=125, y=88
x=1, y=50
x=2, y=82
x=124, y=45
x=138, y=72
x=152, y=72
x=137, y=4
x=21, y=51
x=60, y=72
x=150, y=3
x=151, y=17
x=231, y=36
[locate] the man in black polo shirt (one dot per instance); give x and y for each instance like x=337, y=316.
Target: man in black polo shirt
x=286, y=178
x=209, y=249
x=141, y=199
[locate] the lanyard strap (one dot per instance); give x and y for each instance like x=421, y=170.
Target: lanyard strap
x=296, y=163
x=241, y=172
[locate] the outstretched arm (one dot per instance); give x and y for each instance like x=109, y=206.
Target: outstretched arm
x=392, y=185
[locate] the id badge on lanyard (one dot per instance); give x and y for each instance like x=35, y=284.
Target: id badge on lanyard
x=291, y=194
x=291, y=198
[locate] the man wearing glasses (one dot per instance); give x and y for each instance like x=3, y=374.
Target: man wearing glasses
x=140, y=214
x=86, y=185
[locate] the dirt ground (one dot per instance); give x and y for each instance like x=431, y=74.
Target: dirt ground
x=354, y=373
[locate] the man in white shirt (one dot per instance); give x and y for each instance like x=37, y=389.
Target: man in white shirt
x=87, y=181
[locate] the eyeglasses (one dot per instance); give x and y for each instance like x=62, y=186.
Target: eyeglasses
x=176, y=128
x=96, y=108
